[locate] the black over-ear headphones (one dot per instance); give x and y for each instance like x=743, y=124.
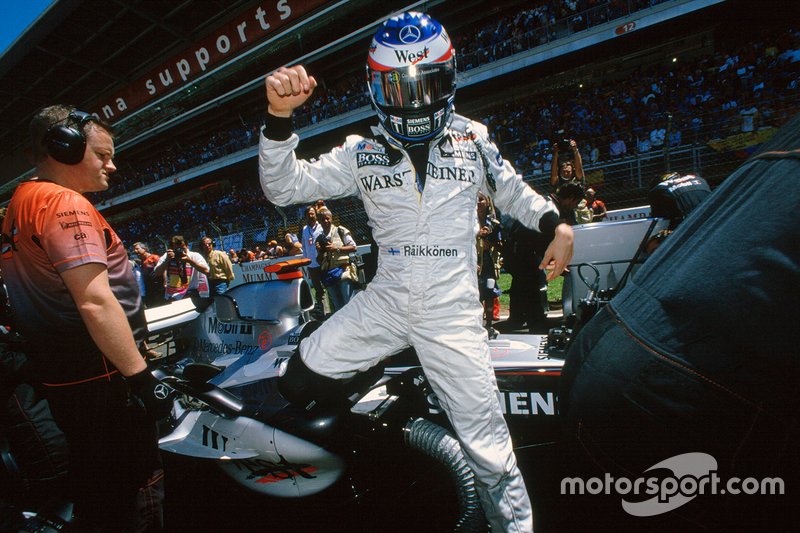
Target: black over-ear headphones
x=66, y=143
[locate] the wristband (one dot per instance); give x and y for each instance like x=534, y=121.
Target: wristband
x=277, y=128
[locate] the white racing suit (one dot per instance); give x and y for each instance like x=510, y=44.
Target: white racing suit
x=425, y=291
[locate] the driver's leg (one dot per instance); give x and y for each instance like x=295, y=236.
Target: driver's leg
x=352, y=340
x=455, y=357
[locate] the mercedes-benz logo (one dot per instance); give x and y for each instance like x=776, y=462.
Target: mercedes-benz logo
x=410, y=34
x=161, y=391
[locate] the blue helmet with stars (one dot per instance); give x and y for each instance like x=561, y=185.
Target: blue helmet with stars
x=411, y=75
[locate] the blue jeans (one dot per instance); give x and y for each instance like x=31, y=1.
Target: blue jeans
x=341, y=293
x=218, y=286
x=626, y=407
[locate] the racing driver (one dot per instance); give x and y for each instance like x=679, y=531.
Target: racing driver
x=419, y=177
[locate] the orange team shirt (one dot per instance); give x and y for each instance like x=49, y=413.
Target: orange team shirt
x=49, y=229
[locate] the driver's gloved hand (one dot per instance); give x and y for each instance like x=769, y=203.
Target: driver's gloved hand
x=154, y=394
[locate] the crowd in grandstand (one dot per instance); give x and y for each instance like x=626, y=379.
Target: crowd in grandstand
x=687, y=102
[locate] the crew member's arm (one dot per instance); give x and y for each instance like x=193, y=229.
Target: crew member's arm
x=103, y=316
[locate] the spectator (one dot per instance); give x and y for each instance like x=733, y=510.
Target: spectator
x=523, y=249
x=335, y=244
x=185, y=271
x=311, y=232
x=643, y=144
x=675, y=137
x=220, y=267
x=137, y=275
x=749, y=113
x=570, y=171
x=597, y=207
x=488, y=242
x=292, y=245
x=691, y=93
x=658, y=136
x=246, y=255
x=594, y=154
x=153, y=294
x=617, y=149
x=273, y=250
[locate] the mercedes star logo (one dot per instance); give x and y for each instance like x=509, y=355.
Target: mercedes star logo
x=410, y=34
x=161, y=391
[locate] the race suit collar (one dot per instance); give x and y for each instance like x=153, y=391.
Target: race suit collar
x=380, y=130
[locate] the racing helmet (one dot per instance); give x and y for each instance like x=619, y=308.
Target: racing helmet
x=411, y=75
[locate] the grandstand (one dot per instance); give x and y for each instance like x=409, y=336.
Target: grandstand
x=183, y=86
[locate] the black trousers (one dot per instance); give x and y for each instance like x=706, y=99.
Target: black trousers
x=115, y=476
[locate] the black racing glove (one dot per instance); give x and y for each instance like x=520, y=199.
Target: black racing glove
x=155, y=395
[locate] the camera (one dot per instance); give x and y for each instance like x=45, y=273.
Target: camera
x=323, y=241
x=564, y=145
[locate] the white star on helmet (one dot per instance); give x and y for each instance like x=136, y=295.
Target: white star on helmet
x=410, y=34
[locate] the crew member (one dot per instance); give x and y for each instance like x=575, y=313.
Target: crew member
x=674, y=196
x=78, y=306
x=692, y=370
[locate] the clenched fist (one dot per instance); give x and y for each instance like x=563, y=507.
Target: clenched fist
x=287, y=89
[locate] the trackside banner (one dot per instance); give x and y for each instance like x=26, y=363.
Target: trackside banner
x=221, y=45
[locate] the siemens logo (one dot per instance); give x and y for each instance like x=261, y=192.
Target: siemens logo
x=527, y=403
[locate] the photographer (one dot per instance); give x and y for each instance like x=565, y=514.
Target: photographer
x=569, y=171
x=334, y=245
x=186, y=271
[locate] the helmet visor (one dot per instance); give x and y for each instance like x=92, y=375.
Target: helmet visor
x=414, y=86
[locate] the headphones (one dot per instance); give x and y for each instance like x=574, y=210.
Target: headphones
x=67, y=144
